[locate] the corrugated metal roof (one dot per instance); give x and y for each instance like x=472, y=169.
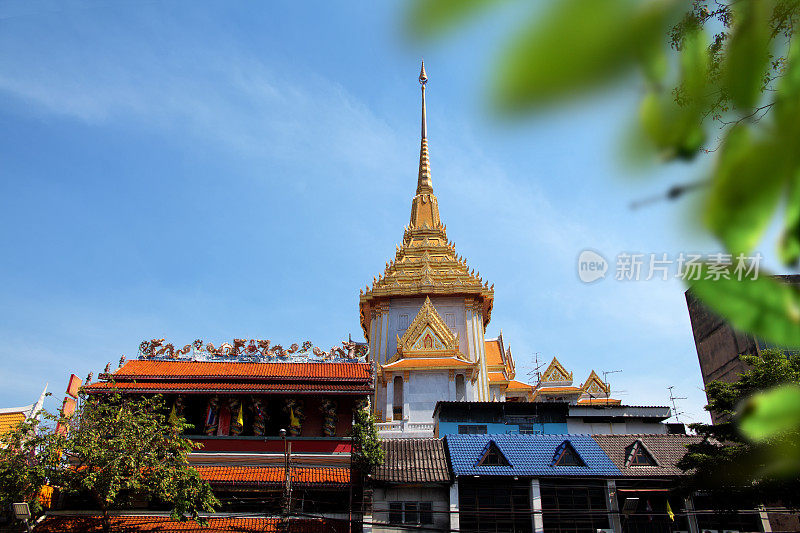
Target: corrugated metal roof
x=528, y=455
x=413, y=461
x=667, y=450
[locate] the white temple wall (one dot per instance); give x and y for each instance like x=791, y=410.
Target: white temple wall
x=424, y=389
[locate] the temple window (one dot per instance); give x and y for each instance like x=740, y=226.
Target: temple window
x=403, y=322
x=450, y=320
x=461, y=388
x=397, y=404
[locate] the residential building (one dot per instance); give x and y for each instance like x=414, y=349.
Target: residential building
x=558, y=418
x=238, y=399
x=719, y=344
x=412, y=487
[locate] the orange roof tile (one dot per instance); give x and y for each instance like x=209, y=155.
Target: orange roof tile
x=142, y=368
x=544, y=390
x=230, y=387
x=515, y=385
x=8, y=421
x=599, y=401
x=493, y=355
x=428, y=362
x=153, y=524
x=273, y=475
x=497, y=376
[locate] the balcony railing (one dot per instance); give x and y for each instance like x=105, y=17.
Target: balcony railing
x=403, y=426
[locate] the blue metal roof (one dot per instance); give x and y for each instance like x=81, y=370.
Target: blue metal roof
x=529, y=455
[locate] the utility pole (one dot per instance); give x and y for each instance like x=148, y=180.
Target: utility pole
x=672, y=399
x=287, y=485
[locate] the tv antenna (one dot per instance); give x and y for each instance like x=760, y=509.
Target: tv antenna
x=605, y=380
x=672, y=399
x=537, y=366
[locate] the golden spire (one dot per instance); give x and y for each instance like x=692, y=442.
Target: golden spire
x=424, y=183
x=424, y=206
x=426, y=264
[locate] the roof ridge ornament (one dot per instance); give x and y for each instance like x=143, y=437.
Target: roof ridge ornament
x=253, y=350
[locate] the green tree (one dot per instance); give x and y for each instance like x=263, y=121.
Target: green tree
x=367, y=451
x=118, y=447
x=753, y=454
x=719, y=77
x=24, y=465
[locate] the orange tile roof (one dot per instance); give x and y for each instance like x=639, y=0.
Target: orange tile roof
x=543, y=390
x=226, y=386
x=515, y=385
x=493, y=355
x=138, y=369
x=497, y=376
x=9, y=420
x=428, y=362
x=153, y=524
x=273, y=475
x=599, y=401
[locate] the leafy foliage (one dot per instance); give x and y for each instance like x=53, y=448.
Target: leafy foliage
x=721, y=77
x=24, y=466
x=754, y=453
x=367, y=451
x=117, y=448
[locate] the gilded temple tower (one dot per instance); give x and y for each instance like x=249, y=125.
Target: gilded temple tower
x=425, y=316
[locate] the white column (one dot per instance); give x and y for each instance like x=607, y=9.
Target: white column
x=385, y=336
x=454, y=519
x=691, y=517
x=613, y=506
x=536, y=507
x=388, y=415
x=406, y=396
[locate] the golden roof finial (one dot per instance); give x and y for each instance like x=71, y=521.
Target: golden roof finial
x=424, y=183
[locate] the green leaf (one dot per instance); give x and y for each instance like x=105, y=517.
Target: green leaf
x=789, y=245
x=765, y=307
x=771, y=414
x=574, y=47
x=745, y=190
x=748, y=52
x=429, y=17
x=674, y=126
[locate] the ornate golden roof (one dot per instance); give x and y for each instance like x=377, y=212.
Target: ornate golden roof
x=555, y=372
x=427, y=336
x=595, y=386
x=426, y=264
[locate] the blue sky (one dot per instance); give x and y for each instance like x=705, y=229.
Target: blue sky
x=240, y=169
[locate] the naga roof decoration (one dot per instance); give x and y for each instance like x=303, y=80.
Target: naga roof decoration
x=253, y=350
x=426, y=263
x=427, y=336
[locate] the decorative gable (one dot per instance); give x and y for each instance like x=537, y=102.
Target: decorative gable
x=566, y=455
x=637, y=454
x=556, y=373
x=428, y=336
x=594, y=386
x=492, y=456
